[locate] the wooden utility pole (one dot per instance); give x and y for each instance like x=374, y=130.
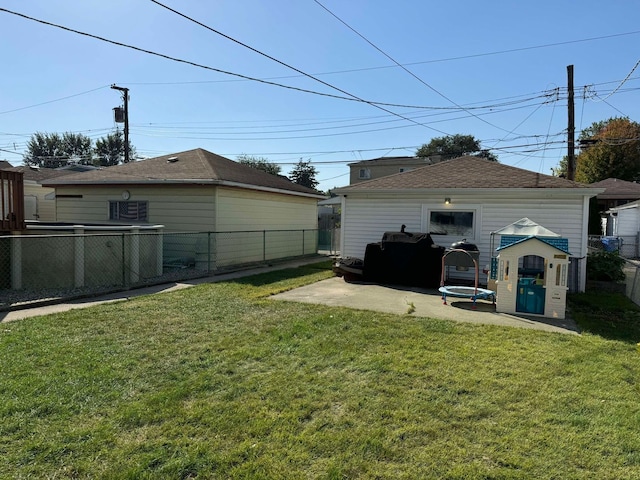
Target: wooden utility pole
x=125, y=97
x=571, y=129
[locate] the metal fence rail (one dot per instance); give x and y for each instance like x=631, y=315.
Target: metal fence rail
x=38, y=266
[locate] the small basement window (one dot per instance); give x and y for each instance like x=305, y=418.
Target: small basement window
x=128, y=211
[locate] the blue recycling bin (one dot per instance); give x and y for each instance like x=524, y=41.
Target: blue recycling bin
x=611, y=244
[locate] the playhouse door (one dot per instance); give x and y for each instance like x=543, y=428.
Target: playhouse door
x=530, y=298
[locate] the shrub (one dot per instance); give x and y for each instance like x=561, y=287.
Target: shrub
x=606, y=266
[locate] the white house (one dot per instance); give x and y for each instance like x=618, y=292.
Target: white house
x=467, y=198
x=623, y=222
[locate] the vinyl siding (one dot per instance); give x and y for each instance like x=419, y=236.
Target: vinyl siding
x=627, y=222
x=239, y=209
x=177, y=208
x=365, y=220
x=46, y=209
x=258, y=214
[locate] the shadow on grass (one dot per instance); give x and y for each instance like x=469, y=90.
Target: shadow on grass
x=266, y=278
x=608, y=315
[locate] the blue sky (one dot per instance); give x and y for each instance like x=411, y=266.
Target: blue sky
x=496, y=70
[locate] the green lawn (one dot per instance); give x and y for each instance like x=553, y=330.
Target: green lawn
x=218, y=381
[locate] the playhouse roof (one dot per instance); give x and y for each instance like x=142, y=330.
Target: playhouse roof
x=558, y=243
x=526, y=227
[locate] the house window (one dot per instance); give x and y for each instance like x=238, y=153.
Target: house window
x=364, y=173
x=455, y=223
x=405, y=169
x=128, y=211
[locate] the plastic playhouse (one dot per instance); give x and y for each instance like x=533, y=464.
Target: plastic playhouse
x=530, y=272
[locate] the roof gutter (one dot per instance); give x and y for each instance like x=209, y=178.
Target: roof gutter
x=186, y=181
x=505, y=192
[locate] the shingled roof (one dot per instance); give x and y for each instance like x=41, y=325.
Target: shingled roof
x=464, y=172
x=196, y=166
x=616, y=189
x=39, y=175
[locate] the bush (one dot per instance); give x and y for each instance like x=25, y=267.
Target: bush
x=605, y=266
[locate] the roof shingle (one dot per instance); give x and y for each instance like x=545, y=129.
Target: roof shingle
x=466, y=172
x=191, y=166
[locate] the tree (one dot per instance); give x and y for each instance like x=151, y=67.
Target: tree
x=109, y=150
x=453, y=146
x=52, y=150
x=303, y=173
x=611, y=150
x=260, y=163
x=78, y=148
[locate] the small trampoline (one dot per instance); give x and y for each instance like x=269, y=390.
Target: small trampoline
x=472, y=293
x=463, y=258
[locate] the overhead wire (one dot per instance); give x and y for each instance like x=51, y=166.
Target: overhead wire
x=622, y=82
x=433, y=89
x=188, y=62
x=53, y=101
x=280, y=62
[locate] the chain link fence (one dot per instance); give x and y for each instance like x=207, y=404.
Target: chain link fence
x=627, y=248
x=42, y=266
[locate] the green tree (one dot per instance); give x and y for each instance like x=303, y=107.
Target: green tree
x=452, y=146
x=303, y=173
x=612, y=151
x=260, y=163
x=109, y=150
x=52, y=150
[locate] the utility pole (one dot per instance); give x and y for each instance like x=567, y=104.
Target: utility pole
x=125, y=97
x=571, y=129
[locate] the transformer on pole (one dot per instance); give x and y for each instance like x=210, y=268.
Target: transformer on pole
x=122, y=115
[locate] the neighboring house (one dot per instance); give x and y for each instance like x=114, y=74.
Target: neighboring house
x=466, y=198
x=39, y=201
x=192, y=191
x=623, y=222
x=617, y=192
x=384, y=166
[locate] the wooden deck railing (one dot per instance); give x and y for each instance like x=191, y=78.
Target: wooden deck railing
x=11, y=201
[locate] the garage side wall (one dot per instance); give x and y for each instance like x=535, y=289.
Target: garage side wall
x=179, y=209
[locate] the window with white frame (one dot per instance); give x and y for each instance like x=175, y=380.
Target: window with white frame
x=457, y=223
x=128, y=211
x=364, y=173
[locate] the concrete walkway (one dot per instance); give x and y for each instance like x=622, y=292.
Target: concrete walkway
x=333, y=292
x=420, y=302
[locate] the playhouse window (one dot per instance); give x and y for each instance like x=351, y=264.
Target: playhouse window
x=504, y=270
x=456, y=223
x=561, y=275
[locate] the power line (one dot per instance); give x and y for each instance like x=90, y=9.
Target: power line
x=53, y=101
x=621, y=83
x=292, y=68
x=402, y=66
x=179, y=60
x=351, y=98
x=423, y=62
